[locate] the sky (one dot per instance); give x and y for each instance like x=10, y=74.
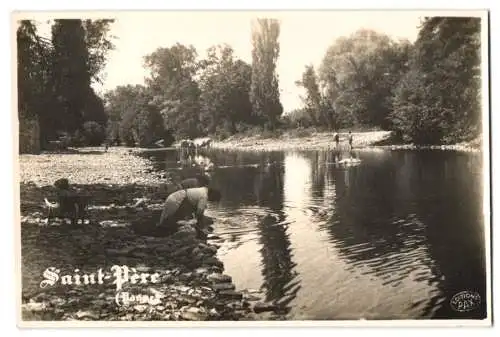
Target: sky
x=304, y=38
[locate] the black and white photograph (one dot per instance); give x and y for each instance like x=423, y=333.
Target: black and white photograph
x=223, y=168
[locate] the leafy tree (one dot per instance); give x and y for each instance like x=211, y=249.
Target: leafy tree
x=134, y=117
x=70, y=72
x=54, y=76
x=149, y=126
x=99, y=42
x=264, y=90
x=358, y=73
x=93, y=109
x=438, y=100
x=33, y=73
x=225, y=86
x=172, y=82
x=318, y=110
x=123, y=104
x=93, y=133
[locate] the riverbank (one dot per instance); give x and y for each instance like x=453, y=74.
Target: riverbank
x=190, y=283
x=308, y=140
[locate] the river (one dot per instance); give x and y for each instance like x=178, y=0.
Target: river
x=394, y=237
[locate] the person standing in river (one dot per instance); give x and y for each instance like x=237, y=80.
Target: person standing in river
x=337, y=147
x=351, y=151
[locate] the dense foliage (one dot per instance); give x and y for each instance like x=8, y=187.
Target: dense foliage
x=427, y=92
x=438, y=99
x=55, y=77
x=264, y=89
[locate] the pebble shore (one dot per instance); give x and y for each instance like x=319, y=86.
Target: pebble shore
x=192, y=285
x=368, y=140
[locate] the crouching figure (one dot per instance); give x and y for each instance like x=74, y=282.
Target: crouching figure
x=70, y=203
x=187, y=203
x=197, y=181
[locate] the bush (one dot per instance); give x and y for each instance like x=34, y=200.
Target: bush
x=271, y=133
x=73, y=140
x=94, y=134
x=300, y=132
x=168, y=138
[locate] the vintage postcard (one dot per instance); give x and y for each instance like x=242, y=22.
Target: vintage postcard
x=246, y=168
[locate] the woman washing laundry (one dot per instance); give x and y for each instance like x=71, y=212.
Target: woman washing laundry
x=186, y=203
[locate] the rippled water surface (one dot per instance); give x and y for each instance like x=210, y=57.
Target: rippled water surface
x=394, y=237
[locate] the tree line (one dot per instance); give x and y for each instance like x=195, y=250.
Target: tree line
x=427, y=92
x=199, y=95
x=54, y=78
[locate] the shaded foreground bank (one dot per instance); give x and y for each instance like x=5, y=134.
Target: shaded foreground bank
x=190, y=283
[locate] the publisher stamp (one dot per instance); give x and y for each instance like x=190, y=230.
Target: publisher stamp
x=465, y=301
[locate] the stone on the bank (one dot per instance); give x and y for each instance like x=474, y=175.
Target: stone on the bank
x=122, y=251
x=262, y=307
x=219, y=278
x=59, y=311
x=196, y=251
x=160, y=308
x=252, y=298
x=143, y=269
x=184, y=235
x=216, y=269
x=182, y=251
x=156, y=293
x=183, y=289
x=212, y=261
x=223, y=286
x=140, y=308
x=34, y=306
x=284, y=300
x=201, y=271
x=231, y=294
x=170, y=305
x=186, y=299
x=194, y=314
x=209, y=250
x=86, y=314
x=185, y=276
x=213, y=312
x=42, y=297
x=235, y=305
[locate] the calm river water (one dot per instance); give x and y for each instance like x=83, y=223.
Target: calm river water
x=392, y=238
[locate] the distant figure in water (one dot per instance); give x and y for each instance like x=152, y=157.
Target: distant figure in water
x=337, y=148
x=350, y=141
x=186, y=203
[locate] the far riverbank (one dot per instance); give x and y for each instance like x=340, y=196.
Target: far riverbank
x=325, y=140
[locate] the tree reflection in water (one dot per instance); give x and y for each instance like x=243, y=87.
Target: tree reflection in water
x=277, y=265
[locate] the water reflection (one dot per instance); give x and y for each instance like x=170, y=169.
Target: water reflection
x=394, y=237
x=277, y=265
